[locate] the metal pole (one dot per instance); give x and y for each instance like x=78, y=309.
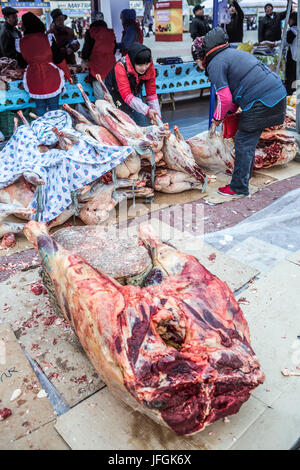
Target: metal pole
x=298, y=73
x=288, y=12
x=212, y=90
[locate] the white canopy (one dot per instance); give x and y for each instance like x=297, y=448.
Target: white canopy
x=262, y=3
x=253, y=3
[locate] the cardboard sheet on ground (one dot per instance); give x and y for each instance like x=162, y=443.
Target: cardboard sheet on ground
x=282, y=172
x=103, y=422
x=271, y=307
x=30, y=408
x=47, y=338
x=44, y=438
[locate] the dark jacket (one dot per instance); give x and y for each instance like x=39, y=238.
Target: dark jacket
x=64, y=37
x=131, y=33
x=8, y=35
x=199, y=27
x=247, y=78
x=270, y=27
x=235, y=29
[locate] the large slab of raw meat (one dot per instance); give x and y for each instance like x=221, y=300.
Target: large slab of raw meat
x=177, y=350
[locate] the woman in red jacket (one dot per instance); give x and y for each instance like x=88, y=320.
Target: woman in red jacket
x=125, y=82
x=44, y=77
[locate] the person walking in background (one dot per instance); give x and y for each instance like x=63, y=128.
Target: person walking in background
x=132, y=31
x=240, y=80
x=199, y=25
x=43, y=80
x=98, y=52
x=235, y=29
x=64, y=36
x=270, y=25
x=291, y=57
x=79, y=29
x=9, y=33
x=125, y=82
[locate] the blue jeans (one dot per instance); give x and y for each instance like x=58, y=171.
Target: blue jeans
x=251, y=125
x=48, y=104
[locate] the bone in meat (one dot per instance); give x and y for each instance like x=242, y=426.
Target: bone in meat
x=178, y=351
x=91, y=107
x=107, y=95
x=78, y=116
x=213, y=152
x=121, y=125
x=178, y=156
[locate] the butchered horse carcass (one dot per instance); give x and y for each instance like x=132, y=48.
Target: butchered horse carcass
x=213, y=152
x=177, y=350
x=178, y=156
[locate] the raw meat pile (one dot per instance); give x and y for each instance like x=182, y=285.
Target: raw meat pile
x=276, y=146
x=290, y=118
x=9, y=70
x=154, y=144
x=177, y=349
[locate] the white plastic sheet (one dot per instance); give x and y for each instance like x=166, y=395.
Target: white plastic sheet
x=266, y=237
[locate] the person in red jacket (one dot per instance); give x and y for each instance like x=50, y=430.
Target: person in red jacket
x=125, y=82
x=46, y=69
x=98, y=52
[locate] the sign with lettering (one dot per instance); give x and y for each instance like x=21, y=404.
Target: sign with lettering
x=71, y=5
x=168, y=21
x=19, y=5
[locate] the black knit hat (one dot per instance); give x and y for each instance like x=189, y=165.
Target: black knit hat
x=9, y=11
x=32, y=24
x=57, y=12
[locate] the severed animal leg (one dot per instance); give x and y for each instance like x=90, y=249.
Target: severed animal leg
x=78, y=116
x=24, y=120
x=91, y=107
x=34, y=116
x=66, y=141
x=16, y=124
x=107, y=95
x=178, y=156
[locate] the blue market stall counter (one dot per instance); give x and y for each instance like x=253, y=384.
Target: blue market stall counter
x=169, y=79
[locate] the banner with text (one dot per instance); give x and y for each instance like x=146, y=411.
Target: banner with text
x=168, y=21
